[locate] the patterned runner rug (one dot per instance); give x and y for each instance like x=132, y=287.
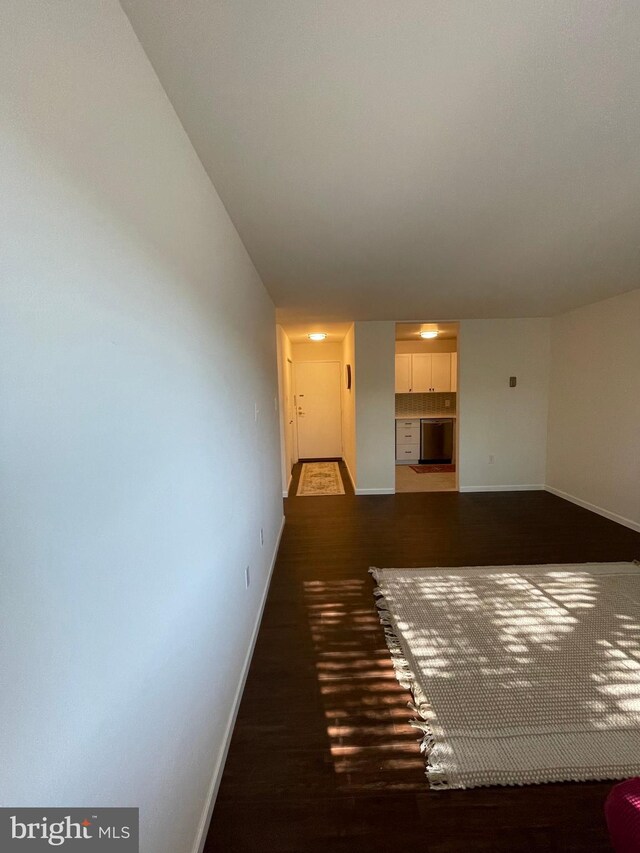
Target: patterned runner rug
x=320, y=478
x=520, y=674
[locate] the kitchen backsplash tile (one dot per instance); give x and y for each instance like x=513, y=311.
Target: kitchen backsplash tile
x=415, y=405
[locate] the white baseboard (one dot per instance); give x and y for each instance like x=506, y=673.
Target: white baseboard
x=205, y=820
x=375, y=491
x=286, y=494
x=536, y=487
x=353, y=482
x=612, y=516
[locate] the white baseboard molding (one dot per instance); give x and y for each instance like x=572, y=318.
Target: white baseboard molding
x=375, y=491
x=535, y=487
x=205, y=820
x=353, y=482
x=612, y=516
x=286, y=494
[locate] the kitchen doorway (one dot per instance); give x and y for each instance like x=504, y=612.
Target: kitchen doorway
x=426, y=410
x=318, y=409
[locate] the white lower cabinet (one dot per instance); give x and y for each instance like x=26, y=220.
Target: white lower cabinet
x=408, y=453
x=408, y=440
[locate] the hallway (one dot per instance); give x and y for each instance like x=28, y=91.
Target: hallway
x=322, y=758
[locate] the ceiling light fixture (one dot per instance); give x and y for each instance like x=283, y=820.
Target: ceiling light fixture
x=317, y=336
x=429, y=334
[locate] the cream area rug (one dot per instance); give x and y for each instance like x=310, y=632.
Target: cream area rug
x=320, y=478
x=520, y=674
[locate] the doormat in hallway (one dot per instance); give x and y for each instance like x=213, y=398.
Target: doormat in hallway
x=519, y=674
x=320, y=478
x=433, y=469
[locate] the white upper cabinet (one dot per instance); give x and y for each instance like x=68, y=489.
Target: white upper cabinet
x=403, y=374
x=421, y=372
x=441, y=371
x=454, y=371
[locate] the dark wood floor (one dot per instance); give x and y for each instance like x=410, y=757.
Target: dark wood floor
x=322, y=758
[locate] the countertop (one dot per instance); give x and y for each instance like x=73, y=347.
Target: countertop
x=444, y=414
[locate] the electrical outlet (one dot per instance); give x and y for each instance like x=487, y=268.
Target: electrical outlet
x=261, y=536
x=447, y=404
x=275, y=404
x=492, y=459
x=247, y=577
x=257, y=411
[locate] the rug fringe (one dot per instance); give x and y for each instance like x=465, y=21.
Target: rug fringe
x=435, y=773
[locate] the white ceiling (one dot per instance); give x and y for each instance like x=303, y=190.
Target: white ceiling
x=439, y=158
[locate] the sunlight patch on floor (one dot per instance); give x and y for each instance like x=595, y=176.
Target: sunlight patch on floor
x=370, y=741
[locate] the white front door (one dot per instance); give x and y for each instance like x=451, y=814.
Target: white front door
x=318, y=409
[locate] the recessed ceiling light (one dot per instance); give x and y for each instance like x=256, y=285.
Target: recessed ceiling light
x=317, y=336
x=429, y=334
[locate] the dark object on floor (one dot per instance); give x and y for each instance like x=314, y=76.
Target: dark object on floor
x=433, y=469
x=622, y=811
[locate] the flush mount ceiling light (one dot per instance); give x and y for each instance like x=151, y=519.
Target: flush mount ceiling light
x=317, y=336
x=429, y=334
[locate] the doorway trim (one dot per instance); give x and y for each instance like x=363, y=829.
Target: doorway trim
x=456, y=427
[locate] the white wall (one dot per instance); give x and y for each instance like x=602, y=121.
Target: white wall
x=287, y=442
x=136, y=338
x=349, y=404
x=318, y=351
x=435, y=345
x=594, y=415
x=375, y=407
x=494, y=419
